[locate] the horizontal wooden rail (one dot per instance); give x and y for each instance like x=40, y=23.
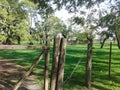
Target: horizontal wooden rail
x=21, y=47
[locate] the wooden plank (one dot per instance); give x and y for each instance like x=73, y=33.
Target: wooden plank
x=59, y=82
x=21, y=47
x=47, y=58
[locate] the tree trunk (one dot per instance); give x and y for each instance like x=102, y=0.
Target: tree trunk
x=89, y=64
x=59, y=83
x=118, y=39
x=19, y=40
x=29, y=71
x=102, y=43
x=8, y=41
x=56, y=53
x=30, y=43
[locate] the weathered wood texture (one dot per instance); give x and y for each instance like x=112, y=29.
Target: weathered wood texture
x=14, y=47
x=29, y=71
x=59, y=83
x=56, y=53
x=47, y=58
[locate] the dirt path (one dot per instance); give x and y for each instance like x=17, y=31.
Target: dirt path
x=10, y=73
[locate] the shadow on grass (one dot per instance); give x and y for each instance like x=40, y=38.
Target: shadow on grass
x=74, y=54
x=100, y=87
x=22, y=57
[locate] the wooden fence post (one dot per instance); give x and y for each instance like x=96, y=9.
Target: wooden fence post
x=47, y=56
x=59, y=83
x=55, y=63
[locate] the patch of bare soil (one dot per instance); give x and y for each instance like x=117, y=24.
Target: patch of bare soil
x=10, y=73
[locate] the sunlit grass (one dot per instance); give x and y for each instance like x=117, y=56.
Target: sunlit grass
x=100, y=79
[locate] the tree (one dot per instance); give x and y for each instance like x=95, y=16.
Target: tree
x=111, y=21
x=50, y=28
x=81, y=37
x=45, y=10
x=89, y=27
x=65, y=30
x=14, y=18
x=75, y=5
x=88, y=22
x=104, y=35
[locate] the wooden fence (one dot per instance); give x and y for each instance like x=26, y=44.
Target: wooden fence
x=57, y=72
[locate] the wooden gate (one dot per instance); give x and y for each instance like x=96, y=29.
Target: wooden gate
x=58, y=60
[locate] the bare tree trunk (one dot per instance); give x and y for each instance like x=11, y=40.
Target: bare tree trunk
x=31, y=42
x=102, y=43
x=8, y=41
x=118, y=40
x=29, y=71
x=47, y=56
x=59, y=83
x=55, y=63
x=19, y=40
x=89, y=64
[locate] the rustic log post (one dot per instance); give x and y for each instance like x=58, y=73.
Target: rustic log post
x=55, y=63
x=29, y=71
x=110, y=54
x=47, y=56
x=59, y=83
x=89, y=63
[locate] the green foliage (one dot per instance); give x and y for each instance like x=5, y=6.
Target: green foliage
x=81, y=36
x=111, y=21
x=44, y=7
x=79, y=21
x=88, y=23
x=108, y=21
x=28, y=3
x=50, y=27
x=66, y=31
x=75, y=5
x=14, y=19
x=53, y=24
x=2, y=38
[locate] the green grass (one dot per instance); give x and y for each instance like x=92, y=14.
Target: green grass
x=100, y=80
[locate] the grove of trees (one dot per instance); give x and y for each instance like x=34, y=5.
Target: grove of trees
x=34, y=20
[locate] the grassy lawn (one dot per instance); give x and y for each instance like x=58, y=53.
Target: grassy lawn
x=75, y=53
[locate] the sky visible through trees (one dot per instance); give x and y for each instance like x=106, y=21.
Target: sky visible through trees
x=79, y=21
